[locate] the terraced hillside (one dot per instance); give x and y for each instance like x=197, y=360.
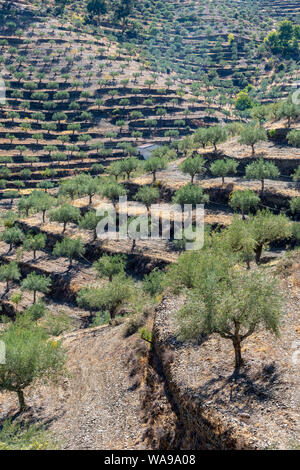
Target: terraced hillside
x=74, y=99
x=209, y=89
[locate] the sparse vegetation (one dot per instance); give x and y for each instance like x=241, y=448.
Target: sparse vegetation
x=151, y=102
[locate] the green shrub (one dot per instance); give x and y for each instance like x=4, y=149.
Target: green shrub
x=101, y=318
x=19, y=436
x=152, y=283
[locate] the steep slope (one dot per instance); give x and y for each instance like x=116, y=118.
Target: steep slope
x=98, y=406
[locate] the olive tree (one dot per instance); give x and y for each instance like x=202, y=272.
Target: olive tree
x=110, y=266
x=251, y=135
x=295, y=205
x=296, y=175
x=267, y=228
x=12, y=236
x=70, y=248
x=90, y=221
x=293, y=138
x=193, y=166
x=42, y=202
x=190, y=194
x=148, y=196
x=155, y=164
x=34, y=243
x=244, y=201
x=222, y=299
x=65, y=214
x=244, y=310
x=261, y=170
x=36, y=283
x=117, y=294
x=113, y=191
x=223, y=168
x=9, y=272
x=217, y=135
x=289, y=111
x=29, y=357
x=128, y=165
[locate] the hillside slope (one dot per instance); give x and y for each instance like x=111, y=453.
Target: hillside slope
x=98, y=406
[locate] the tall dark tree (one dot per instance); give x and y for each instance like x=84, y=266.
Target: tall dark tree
x=123, y=9
x=96, y=7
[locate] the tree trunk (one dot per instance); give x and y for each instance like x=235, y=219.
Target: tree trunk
x=253, y=150
x=34, y=254
x=258, y=252
x=262, y=186
x=21, y=400
x=34, y=296
x=238, y=353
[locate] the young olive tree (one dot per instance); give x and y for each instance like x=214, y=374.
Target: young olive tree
x=155, y=164
x=190, y=194
x=34, y=243
x=117, y=294
x=193, y=166
x=244, y=201
x=217, y=135
x=261, y=170
x=90, y=221
x=251, y=135
x=148, y=196
x=293, y=138
x=30, y=356
x=36, y=283
x=295, y=205
x=12, y=236
x=267, y=228
x=110, y=266
x=65, y=214
x=70, y=248
x=223, y=168
x=9, y=272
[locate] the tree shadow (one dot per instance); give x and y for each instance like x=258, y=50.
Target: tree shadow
x=174, y=341
x=29, y=416
x=259, y=386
